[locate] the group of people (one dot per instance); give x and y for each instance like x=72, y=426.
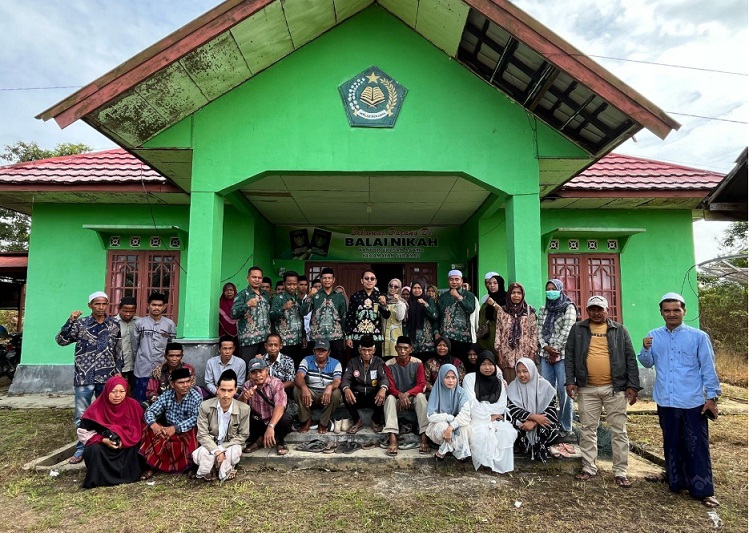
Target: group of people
x=467, y=369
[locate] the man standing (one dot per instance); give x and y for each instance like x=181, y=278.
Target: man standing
x=302, y=290
x=406, y=385
x=365, y=385
x=287, y=318
x=223, y=428
x=455, y=307
x=251, y=309
x=169, y=448
x=149, y=339
x=126, y=319
x=686, y=390
x=317, y=385
x=269, y=421
x=328, y=313
x=602, y=373
x=98, y=354
x=366, y=311
x=225, y=360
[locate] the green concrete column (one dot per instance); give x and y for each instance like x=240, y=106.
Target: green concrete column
x=202, y=289
x=524, y=257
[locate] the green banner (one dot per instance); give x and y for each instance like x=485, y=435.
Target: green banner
x=367, y=243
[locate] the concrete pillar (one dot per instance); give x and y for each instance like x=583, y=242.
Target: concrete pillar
x=524, y=257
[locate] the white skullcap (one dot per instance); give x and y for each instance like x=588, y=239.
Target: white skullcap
x=454, y=273
x=98, y=294
x=672, y=296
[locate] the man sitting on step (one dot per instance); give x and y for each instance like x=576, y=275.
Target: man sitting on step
x=269, y=421
x=317, y=385
x=365, y=385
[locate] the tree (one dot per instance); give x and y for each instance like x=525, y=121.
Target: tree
x=14, y=227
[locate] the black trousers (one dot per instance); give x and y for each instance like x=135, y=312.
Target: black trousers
x=258, y=428
x=246, y=353
x=296, y=352
x=365, y=401
x=338, y=349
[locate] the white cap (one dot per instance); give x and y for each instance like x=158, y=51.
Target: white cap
x=98, y=294
x=598, y=301
x=454, y=272
x=672, y=296
x=490, y=275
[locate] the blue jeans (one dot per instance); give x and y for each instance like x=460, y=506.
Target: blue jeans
x=554, y=374
x=83, y=396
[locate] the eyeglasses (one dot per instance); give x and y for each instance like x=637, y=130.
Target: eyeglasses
x=394, y=286
x=369, y=278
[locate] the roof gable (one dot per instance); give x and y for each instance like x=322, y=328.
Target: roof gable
x=237, y=39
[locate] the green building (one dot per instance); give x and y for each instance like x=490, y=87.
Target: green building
x=412, y=136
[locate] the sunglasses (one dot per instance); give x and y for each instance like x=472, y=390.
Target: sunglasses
x=369, y=278
x=393, y=286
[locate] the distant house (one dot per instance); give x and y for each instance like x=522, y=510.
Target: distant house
x=253, y=124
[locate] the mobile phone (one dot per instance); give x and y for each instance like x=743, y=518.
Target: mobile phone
x=709, y=415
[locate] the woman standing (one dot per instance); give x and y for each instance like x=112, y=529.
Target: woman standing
x=532, y=405
x=492, y=435
x=433, y=366
x=226, y=324
x=449, y=415
x=392, y=327
x=516, y=331
x=422, y=317
x=555, y=320
x=487, y=329
x=110, y=429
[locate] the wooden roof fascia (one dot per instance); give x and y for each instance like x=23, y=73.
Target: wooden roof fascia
x=571, y=60
x=154, y=58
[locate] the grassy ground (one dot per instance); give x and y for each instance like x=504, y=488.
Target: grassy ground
x=732, y=368
x=450, y=496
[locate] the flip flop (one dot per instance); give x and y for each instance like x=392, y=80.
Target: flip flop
x=584, y=476
x=711, y=502
x=425, y=448
x=75, y=459
x=377, y=428
x=148, y=474
x=369, y=445
x=313, y=446
x=352, y=447
x=330, y=448
x=410, y=445
x=392, y=451
x=353, y=430
x=623, y=482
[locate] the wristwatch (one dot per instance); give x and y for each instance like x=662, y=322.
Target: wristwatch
x=272, y=425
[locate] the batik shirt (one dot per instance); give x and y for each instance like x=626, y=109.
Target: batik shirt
x=328, y=314
x=424, y=341
x=98, y=350
x=182, y=415
x=282, y=368
x=253, y=323
x=455, y=315
x=288, y=323
x=363, y=316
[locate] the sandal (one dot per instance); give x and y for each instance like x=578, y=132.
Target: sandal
x=392, y=450
x=439, y=456
x=231, y=475
x=622, y=482
x=330, y=448
x=369, y=445
x=148, y=474
x=711, y=502
x=584, y=476
x=282, y=449
x=660, y=477
x=377, y=428
x=75, y=459
x=313, y=446
x=425, y=448
x=353, y=430
x=352, y=447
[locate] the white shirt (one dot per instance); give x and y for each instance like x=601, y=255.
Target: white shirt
x=223, y=425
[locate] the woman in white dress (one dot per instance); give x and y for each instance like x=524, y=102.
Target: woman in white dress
x=392, y=327
x=492, y=435
x=449, y=415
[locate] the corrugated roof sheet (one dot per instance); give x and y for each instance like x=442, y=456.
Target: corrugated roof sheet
x=624, y=172
x=107, y=166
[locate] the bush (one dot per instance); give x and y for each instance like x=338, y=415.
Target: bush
x=723, y=314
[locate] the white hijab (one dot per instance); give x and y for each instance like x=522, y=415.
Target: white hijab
x=534, y=396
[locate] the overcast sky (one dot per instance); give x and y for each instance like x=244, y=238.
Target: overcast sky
x=53, y=43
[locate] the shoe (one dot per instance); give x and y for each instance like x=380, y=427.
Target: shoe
x=337, y=425
x=345, y=424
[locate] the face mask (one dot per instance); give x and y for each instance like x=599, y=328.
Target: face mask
x=553, y=295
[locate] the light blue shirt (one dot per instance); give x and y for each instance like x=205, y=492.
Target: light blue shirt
x=684, y=367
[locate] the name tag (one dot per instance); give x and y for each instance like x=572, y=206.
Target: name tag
x=373, y=374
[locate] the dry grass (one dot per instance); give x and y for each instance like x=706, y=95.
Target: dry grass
x=450, y=496
x=732, y=367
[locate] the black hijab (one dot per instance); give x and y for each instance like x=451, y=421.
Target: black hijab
x=498, y=297
x=416, y=312
x=487, y=388
x=473, y=367
x=448, y=359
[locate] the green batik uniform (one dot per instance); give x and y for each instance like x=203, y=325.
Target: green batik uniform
x=328, y=315
x=253, y=323
x=455, y=315
x=288, y=323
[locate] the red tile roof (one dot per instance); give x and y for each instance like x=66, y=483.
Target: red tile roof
x=612, y=172
x=14, y=260
x=107, y=166
x=624, y=172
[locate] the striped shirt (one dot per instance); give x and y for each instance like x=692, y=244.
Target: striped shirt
x=318, y=378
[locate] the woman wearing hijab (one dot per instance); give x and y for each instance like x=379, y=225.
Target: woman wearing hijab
x=532, y=406
x=226, y=324
x=111, y=430
x=472, y=357
x=488, y=312
x=555, y=320
x=449, y=415
x=392, y=327
x=422, y=317
x=432, y=367
x=516, y=331
x=492, y=435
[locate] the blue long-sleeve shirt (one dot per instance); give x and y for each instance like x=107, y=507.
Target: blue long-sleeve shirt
x=684, y=367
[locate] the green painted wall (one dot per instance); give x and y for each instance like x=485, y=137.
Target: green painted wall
x=652, y=263
x=67, y=263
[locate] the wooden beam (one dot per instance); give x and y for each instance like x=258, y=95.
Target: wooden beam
x=645, y=194
x=718, y=206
